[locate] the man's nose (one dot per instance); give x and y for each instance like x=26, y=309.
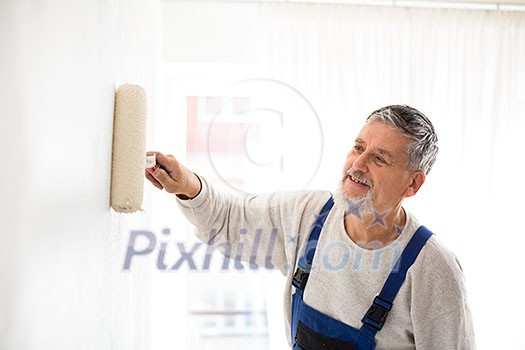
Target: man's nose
x=361, y=163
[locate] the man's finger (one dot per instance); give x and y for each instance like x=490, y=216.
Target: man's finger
x=164, y=179
x=154, y=181
x=166, y=162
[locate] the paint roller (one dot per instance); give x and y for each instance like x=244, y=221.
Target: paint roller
x=129, y=149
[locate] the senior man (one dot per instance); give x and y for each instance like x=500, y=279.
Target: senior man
x=362, y=272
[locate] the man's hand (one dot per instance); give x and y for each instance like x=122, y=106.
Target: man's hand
x=173, y=177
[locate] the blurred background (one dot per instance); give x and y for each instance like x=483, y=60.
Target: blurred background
x=257, y=97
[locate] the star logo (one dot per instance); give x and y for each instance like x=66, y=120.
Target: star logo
x=316, y=220
x=292, y=238
x=354, y=208
x=398, y=230
x=379, y=218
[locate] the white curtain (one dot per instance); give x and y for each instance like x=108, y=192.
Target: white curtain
x=466, y=71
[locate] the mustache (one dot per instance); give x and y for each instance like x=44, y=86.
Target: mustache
x=359, y=176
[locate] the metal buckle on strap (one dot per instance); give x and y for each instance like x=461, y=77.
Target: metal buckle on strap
x=300, y=277
x=376, y=315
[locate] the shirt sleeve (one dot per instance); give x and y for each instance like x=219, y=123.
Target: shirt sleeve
x=262, y=230
x=440, y=313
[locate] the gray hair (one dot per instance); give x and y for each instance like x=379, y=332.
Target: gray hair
x=422, y=152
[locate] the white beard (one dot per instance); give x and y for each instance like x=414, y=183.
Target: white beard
x=365, y=203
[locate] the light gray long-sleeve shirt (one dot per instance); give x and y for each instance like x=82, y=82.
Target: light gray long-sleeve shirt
x=430, y=310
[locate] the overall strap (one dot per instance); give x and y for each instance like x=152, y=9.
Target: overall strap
x=376, y=315
x=305, y=262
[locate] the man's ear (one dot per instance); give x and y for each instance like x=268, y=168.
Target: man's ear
x=418, y=178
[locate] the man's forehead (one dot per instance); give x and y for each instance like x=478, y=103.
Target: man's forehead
x=384, y=139
x=379, y=149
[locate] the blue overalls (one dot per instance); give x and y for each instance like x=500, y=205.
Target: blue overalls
x=313, y=330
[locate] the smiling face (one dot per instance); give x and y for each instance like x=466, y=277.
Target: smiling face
x=377, y=166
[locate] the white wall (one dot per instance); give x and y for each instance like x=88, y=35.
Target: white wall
x=60, y=245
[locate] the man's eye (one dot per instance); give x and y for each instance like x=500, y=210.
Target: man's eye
x=379, y=160
x=359, y=148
